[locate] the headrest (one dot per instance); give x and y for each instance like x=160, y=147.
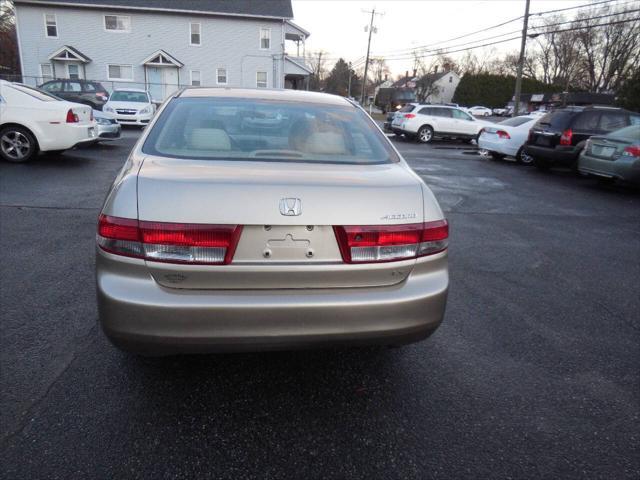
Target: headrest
x=210, y=139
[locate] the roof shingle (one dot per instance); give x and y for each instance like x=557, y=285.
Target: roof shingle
x=259, y=8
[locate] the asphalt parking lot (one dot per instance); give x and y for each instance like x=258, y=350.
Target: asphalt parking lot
x=533, y=374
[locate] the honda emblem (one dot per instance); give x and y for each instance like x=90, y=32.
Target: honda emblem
x=290, y=207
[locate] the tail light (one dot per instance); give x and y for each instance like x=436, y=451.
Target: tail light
x=72, y=117
x=409, y=115
x=190, y=243
x=503, y=134
x=631, y=151
x=91, y=115
x=386, y=243
x=565, y=138
x=530, y=139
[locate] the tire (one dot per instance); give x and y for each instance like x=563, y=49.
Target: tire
x=17, y=144
x=496, y=155
x=425, y=134
x=542, y=164
x=524, y=159
x=486, y=114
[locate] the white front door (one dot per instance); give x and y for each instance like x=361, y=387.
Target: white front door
x=74, y=71
x=154, y=83
x=170, y=80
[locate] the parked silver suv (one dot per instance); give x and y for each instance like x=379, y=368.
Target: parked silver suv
x=430, y=121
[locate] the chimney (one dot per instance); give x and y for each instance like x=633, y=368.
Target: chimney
x=385, y=77
x=435, y=69
x=415, y=72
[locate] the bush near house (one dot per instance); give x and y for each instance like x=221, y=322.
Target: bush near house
x=495, y=90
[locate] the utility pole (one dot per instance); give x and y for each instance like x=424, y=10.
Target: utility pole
x=523, y=44
x=366, y=62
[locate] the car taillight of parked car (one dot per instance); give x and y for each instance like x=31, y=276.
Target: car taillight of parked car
x=565, y=138
x=72, y=117
x=385, y=243
x=409, y=115
x=189, y=243
x=503, y=134
x=632, y=151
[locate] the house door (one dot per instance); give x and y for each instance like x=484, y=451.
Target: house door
x=170, y=80
x=155, y=83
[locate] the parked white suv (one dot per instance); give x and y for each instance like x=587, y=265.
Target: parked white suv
x=431, y=121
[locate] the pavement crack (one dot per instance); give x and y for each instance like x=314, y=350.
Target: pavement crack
x=87, y=340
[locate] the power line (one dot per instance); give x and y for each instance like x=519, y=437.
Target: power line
x=404, y=51
x=447, y=52
x=585, y=19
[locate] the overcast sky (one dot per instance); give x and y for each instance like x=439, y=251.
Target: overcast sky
x=337, y=26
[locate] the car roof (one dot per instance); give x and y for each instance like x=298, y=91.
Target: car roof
x=265, y=94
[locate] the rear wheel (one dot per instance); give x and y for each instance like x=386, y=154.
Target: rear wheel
x=425, y=134
x=524, y=158
x=17, y=144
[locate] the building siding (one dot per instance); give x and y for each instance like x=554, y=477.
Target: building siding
x=226, y=42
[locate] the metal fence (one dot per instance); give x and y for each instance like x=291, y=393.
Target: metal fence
x=109, y=85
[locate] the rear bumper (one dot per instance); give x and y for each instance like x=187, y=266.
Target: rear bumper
x=139, y=315
x=499, y=146
x=109, y=132
x=560, y=155
x=625, y=169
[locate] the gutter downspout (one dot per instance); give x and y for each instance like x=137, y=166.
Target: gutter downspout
x=283, y=54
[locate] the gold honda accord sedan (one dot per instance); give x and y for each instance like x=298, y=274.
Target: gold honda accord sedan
x=267, y=219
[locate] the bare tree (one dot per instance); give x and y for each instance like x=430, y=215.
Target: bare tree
x=9, y=58
x=611, y=52
x=426, y=77
x=318, y=63
x=379, y=69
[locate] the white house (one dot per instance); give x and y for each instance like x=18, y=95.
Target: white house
x=443, y=85
x=161, y=45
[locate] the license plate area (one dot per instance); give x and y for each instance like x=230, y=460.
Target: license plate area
x=287, y=244
x=544, y=141
x=603, y=151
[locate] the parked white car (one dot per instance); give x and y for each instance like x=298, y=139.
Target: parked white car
x=507, y=138
x=499, y=112
x=131, y=106
x=33, y=121
x=479, y=111
x=430, y=121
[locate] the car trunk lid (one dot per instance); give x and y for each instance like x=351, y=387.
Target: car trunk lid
x=297, y=249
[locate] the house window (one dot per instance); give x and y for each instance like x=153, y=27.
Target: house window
x=450, y=79
x=73, y=71
x=195, y=78
x=46, y=71
x=51, y=25
x=221, y=76
x=119, y=72
x=261, y=79
x=265, y=38
x=117, y=23
x=195, y=34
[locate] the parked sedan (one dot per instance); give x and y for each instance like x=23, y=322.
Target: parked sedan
x=615, y=156
x=86, y=92
x=479, y=111
x=107, y=126
x=499, y=112
x=33, y=121
x=131, y=106
x=508, y=138
x=218, y=238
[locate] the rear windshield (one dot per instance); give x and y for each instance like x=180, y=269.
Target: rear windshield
x=632, y=133
x=558, y=119
x=122, y=96
x=407, y=108
x=36, y=93
x=516, y=121
x=239, y=129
